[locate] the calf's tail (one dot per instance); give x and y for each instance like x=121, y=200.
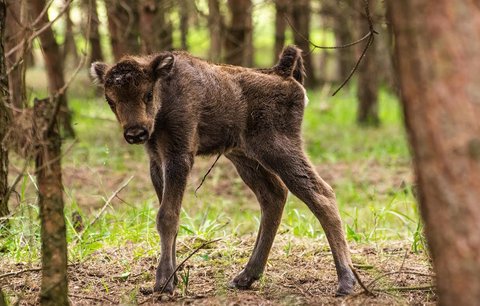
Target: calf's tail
x=291, y=64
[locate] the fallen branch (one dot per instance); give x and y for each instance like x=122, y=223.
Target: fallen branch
x=413, y=288
x=103, y=299
x=19, y=272
x=398, y=272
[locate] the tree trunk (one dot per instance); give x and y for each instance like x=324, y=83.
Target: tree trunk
x=155, y=27
x=215, y=27
x=4, y=121
x=69, y=47
x=184, y=17
x=438, y=65
x=237, y=36
x=54, y=288
x=14, y=34
x=281, y=12
x=368, y=80
x=123, y=25
x=54, y=66
x=96, y=53
x=344, y=29
x=301, y=22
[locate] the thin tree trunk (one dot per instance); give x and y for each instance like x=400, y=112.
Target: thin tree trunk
x=368, y=79
x=155, y=28
x=301, y=22
x=248, y=57
x=184, y=17
x=281, y=13
x=96, y=53
x=236, y=38
x=14, y=34
x=123, y=25
x=344, y=29
x=54, y=66
x=69, y=47
x=54, y=288
x=215, y=26
x=4, y=120
x=438, y=64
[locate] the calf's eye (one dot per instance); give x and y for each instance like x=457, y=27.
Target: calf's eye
x=148, y=96
x=110, y=103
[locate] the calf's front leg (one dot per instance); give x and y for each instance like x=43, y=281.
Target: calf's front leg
x=176, y=171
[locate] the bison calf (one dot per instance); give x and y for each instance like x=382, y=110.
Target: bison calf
x=180, y=106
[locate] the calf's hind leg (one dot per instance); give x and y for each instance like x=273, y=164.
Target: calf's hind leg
x=272, y=195
x=289, y=162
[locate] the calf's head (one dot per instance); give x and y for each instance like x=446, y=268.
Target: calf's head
x=132, y=89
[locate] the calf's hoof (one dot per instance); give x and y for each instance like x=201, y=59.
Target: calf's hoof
x=346, y=284
x=169, y=287
x=243, y=281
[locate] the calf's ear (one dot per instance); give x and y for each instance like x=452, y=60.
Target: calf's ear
x=162, y=64
x=98, y=71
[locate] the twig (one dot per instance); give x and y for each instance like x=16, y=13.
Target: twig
x=16, y=181
x=19, y=272
x=398, y=272
x=413, y=288
x=370, y=36
x=102, y=299
x=208, y=172
x=107, y=203
x=62, y=90
x=184, y=261
x=316, y=46
x=41, y=30
x=360, y=282
x=371, y=39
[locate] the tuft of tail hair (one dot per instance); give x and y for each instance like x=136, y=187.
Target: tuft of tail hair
x=291, y=64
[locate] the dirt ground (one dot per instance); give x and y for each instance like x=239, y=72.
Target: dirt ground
x=303, y=276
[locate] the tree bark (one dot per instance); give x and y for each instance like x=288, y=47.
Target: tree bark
x=282, y=11
x=368, y=80
x=238, y=34
x=215, y=27
x=54, y=66
x=96, y=53
x=438, y=64
x=155, y=27
x=14, y=34
x=301, y=22
x=69, y=47
x=54, y=288
x=184, y=17
x=4, y=120
x=344, y=29
x=123, y=25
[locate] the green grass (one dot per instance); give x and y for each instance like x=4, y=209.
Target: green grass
x=365, y=163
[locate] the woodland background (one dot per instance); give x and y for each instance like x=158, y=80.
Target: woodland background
x=64, y=160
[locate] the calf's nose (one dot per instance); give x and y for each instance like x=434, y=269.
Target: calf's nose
x=136, y=135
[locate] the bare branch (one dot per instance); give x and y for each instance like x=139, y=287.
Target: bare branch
x=41, y=30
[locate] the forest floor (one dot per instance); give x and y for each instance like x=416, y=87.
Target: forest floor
x=113, y=260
